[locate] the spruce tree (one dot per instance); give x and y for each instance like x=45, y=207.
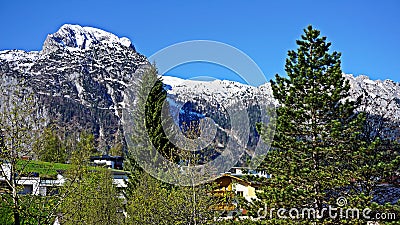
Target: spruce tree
x=154, y=106
x=147, y=131
x=149, y=200
x=317, y=129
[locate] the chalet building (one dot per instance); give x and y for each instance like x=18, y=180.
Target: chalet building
x=233, y=189
x=227, y=183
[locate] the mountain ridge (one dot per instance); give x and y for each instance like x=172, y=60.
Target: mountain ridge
x=81, y=75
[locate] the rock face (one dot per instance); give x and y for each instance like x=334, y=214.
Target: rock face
x=191, y=100
x=381, y=98
x=79, y=77
x=381, y=102
x=75, y=37
x=81, y=74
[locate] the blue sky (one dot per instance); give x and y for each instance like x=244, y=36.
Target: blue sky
x=366, y=32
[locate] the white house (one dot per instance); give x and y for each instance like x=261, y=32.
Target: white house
x=37, y=185
x=34, y=185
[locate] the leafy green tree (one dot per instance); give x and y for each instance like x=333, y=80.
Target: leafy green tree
x=34, y=210
x=20, y=125
x=50, y=148
x=154, y=202
x=317, y=131
x=117, y=150
x=6, y=213
x=147, y=202
x=79, y=149
x=86, y=144
x=89, y=195
x=39, y=209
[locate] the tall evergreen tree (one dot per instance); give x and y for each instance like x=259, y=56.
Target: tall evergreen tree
x=317, y=129
x=149, y=97
x=149, y=200
x=154, y=105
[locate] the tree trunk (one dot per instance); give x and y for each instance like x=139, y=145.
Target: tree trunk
x=16, y=217
x=13, y=184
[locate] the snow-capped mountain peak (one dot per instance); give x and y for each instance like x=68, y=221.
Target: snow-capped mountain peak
x=74, y=37
x=82, y=74
x=221, y=90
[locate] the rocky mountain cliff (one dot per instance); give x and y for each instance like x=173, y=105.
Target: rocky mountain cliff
x=79, y=77
x=382, y=103
x=81, y=74
x=381, y=98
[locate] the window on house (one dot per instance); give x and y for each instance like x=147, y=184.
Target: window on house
x=28, y=189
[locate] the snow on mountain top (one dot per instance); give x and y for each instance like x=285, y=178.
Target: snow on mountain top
x=172, y=80
x=215, y=86
x=176, y=81
x=365, y=79
x=13, y=55
x=78, y=37
x=220, y=90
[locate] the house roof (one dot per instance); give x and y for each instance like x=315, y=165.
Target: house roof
x=235, y=178
x=106, y=157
